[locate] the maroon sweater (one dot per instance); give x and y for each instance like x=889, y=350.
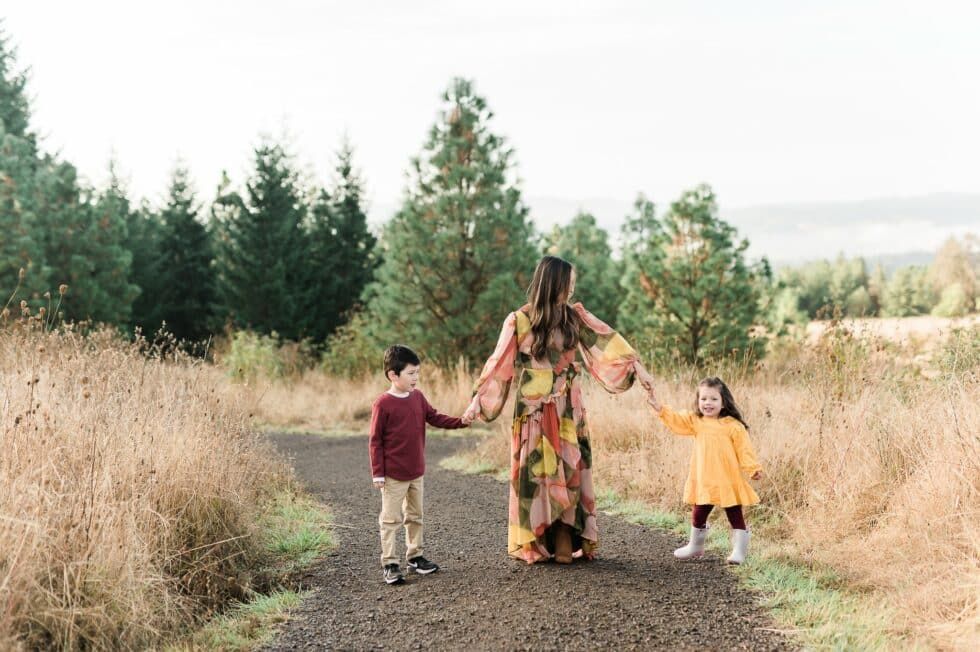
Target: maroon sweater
x=397, y=444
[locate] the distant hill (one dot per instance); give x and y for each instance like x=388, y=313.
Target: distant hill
x=897, y=230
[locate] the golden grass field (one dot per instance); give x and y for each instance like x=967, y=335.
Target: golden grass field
x=871, y=452
x=129, y=490
x=131, y=481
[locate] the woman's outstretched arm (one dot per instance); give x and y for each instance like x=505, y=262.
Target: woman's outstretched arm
x=491, y=389
x=609, y=358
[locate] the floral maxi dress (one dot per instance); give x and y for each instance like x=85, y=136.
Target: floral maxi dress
x=551, y=456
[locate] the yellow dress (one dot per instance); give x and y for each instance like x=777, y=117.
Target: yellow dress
x=722, y=453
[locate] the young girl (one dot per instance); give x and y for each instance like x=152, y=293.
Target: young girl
x=722, y=453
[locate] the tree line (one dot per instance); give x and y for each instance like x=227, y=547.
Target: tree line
x=281, y=254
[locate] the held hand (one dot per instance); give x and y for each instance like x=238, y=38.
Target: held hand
x=757, y=475
x=379, y=484
x=643, y=376
x=466, y=419
x=469, y=416
x=652, y=399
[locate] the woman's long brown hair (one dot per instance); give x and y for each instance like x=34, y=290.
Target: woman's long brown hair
x=548, y=297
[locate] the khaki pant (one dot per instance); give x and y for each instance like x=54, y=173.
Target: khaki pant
x=401, y=504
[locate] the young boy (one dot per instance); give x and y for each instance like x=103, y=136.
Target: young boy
x=397, y=450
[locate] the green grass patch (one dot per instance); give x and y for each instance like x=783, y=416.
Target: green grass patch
x=244, y=626
x=296, y=531
x=813, y=603
x=470, y=465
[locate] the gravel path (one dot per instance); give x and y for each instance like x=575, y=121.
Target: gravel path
x=634, y=596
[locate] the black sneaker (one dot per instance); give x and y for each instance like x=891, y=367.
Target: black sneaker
x=393, y=574
x=422, y=566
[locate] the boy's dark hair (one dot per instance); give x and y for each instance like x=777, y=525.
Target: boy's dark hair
x=397, y=357
x=728, y=407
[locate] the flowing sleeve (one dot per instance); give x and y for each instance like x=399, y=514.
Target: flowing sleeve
x=743, y=450
x=606, y=354
x=490, y=392
x=679, y=423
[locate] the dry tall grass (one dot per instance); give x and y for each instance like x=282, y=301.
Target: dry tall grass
x=316, y=401
x=128, y=492
x=872, y=468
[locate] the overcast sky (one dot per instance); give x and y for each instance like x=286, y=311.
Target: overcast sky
x=768, y=101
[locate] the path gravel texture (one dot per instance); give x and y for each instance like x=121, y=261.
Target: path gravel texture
x=634, y=596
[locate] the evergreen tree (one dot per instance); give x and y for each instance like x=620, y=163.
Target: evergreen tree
x=586, y=246
x=812, y=282
x=953, y=302
x=20, y=247
x=458, y=254
x=848, y=283
x=84, y=238
x=261, y=247
x=187, y=295
x=144, y=232
x=14, y=105
x=342, y=254
x=689, y=293
x=876, y=290
x=908, y=293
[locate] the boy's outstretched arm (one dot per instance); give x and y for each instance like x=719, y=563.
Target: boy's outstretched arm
x=439, y=420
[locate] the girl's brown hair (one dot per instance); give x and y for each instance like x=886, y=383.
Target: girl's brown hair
x=548, y=297
x=728, y=407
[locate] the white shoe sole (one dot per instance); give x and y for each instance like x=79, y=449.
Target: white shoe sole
x=422, y=572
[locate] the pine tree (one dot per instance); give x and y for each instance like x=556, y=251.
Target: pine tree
x=20, y=247
x=15, y=110
x=848, y=283
x=689, y=293
x=876, y=290
x=86, y=246
x=908, y=293
x=342, y=254
x=143, y=234
x=586, y=246
x=187, y=296
x=458, y=255
x=261, y=247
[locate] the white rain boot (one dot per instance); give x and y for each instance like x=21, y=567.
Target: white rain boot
x=740, y=546
x=694, y=547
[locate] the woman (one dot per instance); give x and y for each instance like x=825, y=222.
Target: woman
x=552, y=499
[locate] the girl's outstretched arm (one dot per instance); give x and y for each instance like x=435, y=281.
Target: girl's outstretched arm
x=680, y=423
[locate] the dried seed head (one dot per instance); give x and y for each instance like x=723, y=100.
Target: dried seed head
x=86, y=394
x=85, y=380
x=23, y=304
x=21, y=274
x=62, y=289
x=40, y=349
x=47, y=295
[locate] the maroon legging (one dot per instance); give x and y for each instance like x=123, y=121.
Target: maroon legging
x=699, y=516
